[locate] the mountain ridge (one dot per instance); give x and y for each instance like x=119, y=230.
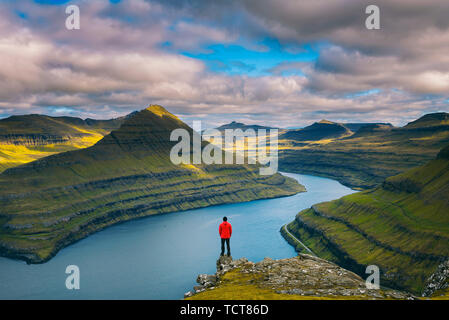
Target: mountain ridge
x=323, y=129
x=26, y=138
x=54, y=201
x=240, y=125
x=403, y=222
x=364, y=159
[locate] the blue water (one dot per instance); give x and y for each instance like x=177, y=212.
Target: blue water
x=159, y=257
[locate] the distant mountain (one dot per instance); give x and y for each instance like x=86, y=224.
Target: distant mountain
x=364, y=159
x=371, y=129
x=402, y=226
x=317, y=131
x=35, y=129
x=239, y=125
x=49, y=203
x=26, y=138
x=430, y=120
x=354, y=127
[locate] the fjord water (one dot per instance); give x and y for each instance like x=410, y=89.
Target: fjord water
x=159, y=257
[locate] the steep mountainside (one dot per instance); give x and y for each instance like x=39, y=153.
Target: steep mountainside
x=364, y=159
x=402, y=226
x=29, y=137
x=47, y=204
x=430, y=120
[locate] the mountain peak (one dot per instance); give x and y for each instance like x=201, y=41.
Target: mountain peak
x=148, y=129
x=160, y=111
x=317, y=131
x=326, y=121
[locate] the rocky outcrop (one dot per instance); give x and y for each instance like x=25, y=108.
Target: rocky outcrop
x=304, y=276
x=438, y=281
x=207, y=281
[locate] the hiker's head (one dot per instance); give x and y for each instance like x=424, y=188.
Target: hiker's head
x=225, y=219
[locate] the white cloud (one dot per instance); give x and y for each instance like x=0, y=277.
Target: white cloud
x=113, y=66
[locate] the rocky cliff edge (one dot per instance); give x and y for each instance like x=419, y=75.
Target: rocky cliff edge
x=301, y=277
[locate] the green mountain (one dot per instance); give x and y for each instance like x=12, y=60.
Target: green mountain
x=46, y=126
x=402, y=226
x=364, y=159
x=48, y=204
x=440, y=119
x=317, y=131
x=29, y=137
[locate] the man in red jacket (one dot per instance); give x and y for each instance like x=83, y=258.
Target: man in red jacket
x=225, y=231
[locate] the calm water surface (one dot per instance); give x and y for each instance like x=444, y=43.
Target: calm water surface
x=159, y=257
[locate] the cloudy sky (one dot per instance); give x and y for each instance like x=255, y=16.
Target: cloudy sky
x=279, y=62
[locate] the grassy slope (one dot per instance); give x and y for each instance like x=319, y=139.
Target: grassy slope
x=402, y=226
x=365, y=159
x=52, y=202
x=30, y=137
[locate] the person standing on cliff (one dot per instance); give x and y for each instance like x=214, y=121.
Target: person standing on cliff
x=225, y=231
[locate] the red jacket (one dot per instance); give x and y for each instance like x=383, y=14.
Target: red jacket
x=225, y=230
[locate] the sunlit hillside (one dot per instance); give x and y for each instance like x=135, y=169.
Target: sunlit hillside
x=401, y=226
x=30, y=137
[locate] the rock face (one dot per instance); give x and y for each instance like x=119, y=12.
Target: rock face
x=207, y=281
x=438, y=281
x=304, y=276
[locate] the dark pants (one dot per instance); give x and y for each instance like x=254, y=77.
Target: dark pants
x=227, y=246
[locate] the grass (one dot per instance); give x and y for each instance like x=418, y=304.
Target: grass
x=12, y=155
x=24, y=139
x=401, y=226
x=52, y=202
x=363, y=161
x=236, y=285
x=239, y=286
